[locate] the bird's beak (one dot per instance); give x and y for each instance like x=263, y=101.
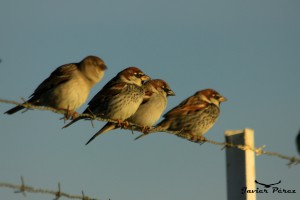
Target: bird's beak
x=170, y=93
x=222, y=99
x=103, y=67
x=145, y=78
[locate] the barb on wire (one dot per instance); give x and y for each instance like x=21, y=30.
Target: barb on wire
x=57, y=194
x=134, y=127
x=258, y=151
x=31, y=106
x=22, y=187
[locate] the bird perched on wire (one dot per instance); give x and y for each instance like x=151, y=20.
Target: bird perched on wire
x=68, y=86
x=154, y=103
x=118, y=99
x=193, y=117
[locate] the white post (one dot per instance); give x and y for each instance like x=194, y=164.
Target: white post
x=240, y=165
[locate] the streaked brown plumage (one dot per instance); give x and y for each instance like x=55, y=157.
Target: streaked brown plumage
x=68, y=86
x=118, y=99
x=194, y=116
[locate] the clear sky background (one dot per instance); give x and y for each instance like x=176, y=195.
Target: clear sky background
x=249, y=51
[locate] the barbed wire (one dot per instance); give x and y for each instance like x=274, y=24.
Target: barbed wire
x=258, y=151
x=57, y=194
x=134, y=127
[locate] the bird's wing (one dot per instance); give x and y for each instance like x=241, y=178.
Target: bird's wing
x=185, y=109
x=147, y=96
x=57, y=77
x=104, y=95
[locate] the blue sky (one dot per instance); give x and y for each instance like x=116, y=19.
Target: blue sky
x=249, y=51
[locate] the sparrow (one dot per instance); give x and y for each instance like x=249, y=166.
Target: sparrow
x=153, y=105
x=194, y=116
x=118, y=99
x=67, y=87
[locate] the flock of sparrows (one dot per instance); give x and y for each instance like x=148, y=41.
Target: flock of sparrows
x=131, y=96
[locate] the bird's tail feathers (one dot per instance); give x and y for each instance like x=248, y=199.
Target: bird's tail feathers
x=32, y=100
x=72, y=122
x=107, y=127
x=14, y=110
x=140, y=136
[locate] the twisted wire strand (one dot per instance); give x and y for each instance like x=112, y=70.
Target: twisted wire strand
x=134, y=127
x=57, y=194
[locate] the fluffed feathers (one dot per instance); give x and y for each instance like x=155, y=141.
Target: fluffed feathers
x=194, y=116
x=68, y=86
x=118, y=99
x=154, y=103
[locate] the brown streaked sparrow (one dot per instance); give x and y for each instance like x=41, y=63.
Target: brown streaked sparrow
x=118, y=99
x=68, y=87
x=193, y=117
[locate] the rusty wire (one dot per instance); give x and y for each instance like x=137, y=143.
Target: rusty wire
x=23, y=188
x=133, y=127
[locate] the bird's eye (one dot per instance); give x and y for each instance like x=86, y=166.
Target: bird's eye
x=217, y=96
x=138, y=75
